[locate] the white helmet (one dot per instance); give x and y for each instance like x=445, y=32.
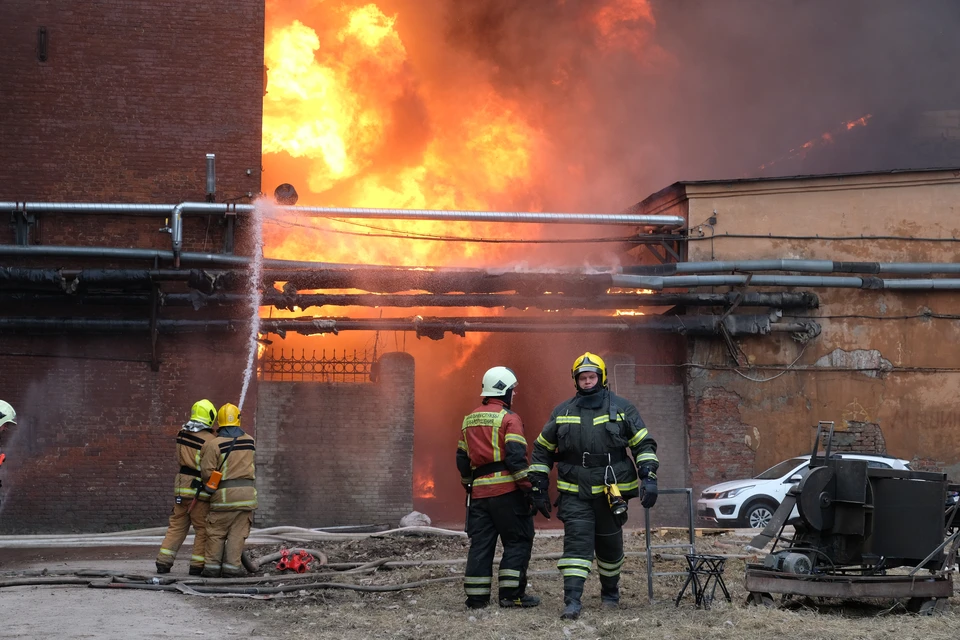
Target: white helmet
x=7, y=414
x=497, y=382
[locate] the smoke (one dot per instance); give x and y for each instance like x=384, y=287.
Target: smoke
x=712, y=90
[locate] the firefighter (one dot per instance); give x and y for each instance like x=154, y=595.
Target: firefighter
x=588, y=437
x=492, y=460
x=7, y=414
x=228, y=474
x=190, y=503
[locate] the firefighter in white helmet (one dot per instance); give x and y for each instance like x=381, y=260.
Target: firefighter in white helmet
x=492, y=460
x=7, y=416
x=190, y=503
x=604, y=457
x=228, y=473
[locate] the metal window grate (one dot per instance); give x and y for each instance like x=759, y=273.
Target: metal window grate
x=286, y=366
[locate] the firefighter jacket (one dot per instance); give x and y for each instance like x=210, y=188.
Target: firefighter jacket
x=237, y=490
x=588, y=433
x=189, y=444
x=492, y=452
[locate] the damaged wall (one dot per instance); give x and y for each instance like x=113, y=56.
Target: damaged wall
x=884, y=358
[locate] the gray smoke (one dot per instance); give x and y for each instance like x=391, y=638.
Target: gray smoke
x=721, y=87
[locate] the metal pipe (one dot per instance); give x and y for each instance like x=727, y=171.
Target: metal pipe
x=198, y=300
x=607, y=301
x=657, y=282
x=211, y=177
x=433, y=328
x=800, y=266
x=665, y=222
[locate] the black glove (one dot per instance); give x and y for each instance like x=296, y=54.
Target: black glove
x=541, y=495
x=648, y=489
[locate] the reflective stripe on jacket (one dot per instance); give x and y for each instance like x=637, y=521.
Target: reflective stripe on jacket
x=237, y=491
x=598, y=424
x=189, y=445
x=491, y=433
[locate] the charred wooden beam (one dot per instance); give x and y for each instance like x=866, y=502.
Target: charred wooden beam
x=392, y=280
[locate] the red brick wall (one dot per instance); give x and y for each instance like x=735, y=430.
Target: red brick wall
x=718, y=451
x=131, y=98
x=337, y=453
x=94, y=447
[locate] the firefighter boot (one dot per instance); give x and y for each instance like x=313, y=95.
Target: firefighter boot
x=610, y=592
x=524, y=601
x=572, y=592
x=163, y=568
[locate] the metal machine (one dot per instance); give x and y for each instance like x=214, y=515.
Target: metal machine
x=855, y=525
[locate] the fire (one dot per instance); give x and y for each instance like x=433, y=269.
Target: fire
x=423, y=485
x=823, y=140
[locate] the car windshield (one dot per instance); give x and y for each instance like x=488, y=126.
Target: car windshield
x=780, y=470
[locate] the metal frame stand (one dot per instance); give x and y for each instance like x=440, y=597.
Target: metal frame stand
x=690, y=547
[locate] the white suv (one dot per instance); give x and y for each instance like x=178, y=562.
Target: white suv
x=752, y=502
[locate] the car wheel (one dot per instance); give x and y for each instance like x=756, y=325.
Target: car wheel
x=758, y=515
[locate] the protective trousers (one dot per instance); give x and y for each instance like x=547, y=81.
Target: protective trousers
x=589, y=527
x=227, y=532
x=508, y=518
x=180, y=522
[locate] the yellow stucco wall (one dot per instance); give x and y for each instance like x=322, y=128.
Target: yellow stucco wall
x=916, y=406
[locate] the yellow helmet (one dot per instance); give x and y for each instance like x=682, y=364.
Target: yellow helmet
x=590, y=362
x=229, y=415
x=203, y=411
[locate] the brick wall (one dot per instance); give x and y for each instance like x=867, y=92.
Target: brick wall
x=94, y=446
x=661, y=407
x=130, y=99
x=337, y=453
x=718, y=450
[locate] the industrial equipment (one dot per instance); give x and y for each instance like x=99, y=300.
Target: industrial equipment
x=856, y=526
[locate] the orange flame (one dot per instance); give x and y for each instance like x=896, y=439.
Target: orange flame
x=823, y=140
x=423, y=485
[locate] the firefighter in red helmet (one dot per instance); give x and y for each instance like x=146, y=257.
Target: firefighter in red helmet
x=492, y=460
x=588, y=437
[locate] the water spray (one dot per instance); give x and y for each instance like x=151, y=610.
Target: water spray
x=256, y=275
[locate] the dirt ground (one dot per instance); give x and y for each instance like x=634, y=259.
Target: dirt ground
x=433, y=610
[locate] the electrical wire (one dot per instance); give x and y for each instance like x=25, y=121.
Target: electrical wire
x=433, y=238
x=789, y=367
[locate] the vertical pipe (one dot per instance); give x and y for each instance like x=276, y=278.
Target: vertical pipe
x=211, y=177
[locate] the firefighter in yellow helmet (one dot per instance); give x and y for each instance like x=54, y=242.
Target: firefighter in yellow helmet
x=589, y=437
x=190, y=503
x=229, y=475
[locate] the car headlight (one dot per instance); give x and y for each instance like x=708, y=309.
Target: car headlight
x=732, y=493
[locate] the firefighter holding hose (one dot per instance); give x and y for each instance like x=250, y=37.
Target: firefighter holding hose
x=228, y=473
x=589, y=437
x=492, y=460
x=190, y=503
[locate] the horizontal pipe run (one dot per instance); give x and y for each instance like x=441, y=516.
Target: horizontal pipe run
x=305, y=301
x=608, y=301
x=657, y=283
x=208, y=208
x=433, y=328
x=799, y=266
